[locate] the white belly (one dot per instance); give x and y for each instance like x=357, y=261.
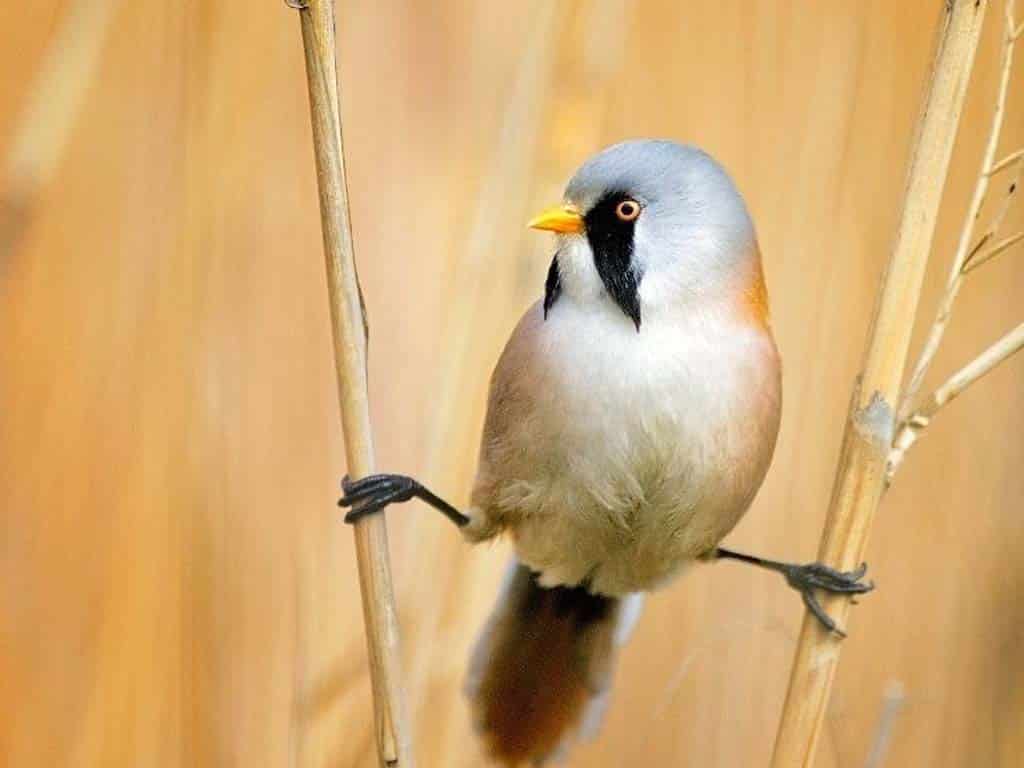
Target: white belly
x=640, y=450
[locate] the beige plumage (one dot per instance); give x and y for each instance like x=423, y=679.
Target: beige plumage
x=618, y=479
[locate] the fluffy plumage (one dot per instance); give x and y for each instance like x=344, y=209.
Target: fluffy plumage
x=615, y=452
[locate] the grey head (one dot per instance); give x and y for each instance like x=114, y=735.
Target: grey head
x=660, y=223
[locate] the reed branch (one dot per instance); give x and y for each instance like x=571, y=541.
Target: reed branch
x=348, y=324
x=915, y=413
x=860, y=476
x=967, y=257
x=912, y=427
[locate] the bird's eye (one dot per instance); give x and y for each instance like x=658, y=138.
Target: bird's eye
x=627, y=210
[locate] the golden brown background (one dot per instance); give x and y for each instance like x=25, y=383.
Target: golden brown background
x=176, y=587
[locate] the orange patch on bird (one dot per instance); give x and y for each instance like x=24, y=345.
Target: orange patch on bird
x=755, y=295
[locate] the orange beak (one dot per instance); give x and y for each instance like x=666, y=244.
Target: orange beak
x=564, y=219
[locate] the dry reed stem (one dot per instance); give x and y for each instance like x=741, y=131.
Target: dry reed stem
x=350, y=340
x=914, y=417
x=51, y=109
x=964, y=251
x=860, y=475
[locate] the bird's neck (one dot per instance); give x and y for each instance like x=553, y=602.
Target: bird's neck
x=735, y=292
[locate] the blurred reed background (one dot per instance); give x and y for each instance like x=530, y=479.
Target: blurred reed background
x=177, y=588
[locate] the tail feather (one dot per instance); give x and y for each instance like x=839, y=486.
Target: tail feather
x=542, y=666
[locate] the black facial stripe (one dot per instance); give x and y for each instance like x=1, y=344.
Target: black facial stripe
x=552, y=286
x=611, y=240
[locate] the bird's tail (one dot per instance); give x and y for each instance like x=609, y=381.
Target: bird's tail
x=542, y=666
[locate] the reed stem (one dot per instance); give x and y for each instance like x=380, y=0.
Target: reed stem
x=348, y=324
x=860, y=476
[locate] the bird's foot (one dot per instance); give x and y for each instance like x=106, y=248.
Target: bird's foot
x=807, y=578
x=372, y=493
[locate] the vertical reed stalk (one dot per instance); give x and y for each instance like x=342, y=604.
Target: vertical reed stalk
x=860, y=477
x=914, y=415
x=348, y=324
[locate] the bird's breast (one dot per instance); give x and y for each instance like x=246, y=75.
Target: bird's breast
x=644, y=449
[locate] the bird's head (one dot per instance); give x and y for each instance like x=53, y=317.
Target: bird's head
x=649, y=225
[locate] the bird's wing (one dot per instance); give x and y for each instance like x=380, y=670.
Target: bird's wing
x=510, y=412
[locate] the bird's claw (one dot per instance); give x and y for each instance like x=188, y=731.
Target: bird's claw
x=806, y=578
x=372, y=493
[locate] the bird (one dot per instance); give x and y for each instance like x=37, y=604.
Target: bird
x=631, y=419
